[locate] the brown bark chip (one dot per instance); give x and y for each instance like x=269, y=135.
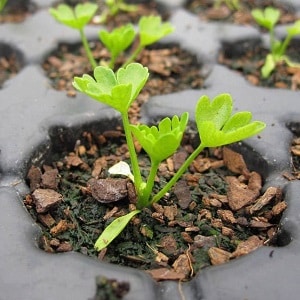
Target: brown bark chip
x=251, y=244
x=50, y=179
x=234, y=162
x=218, y=256
x=45, y=199
x=239, y=195
x=182, y=192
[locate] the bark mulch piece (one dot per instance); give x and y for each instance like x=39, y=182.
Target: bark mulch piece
x=208, y=11
x=200, y=222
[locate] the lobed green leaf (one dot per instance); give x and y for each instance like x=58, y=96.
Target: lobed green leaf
x=161, y=141
x=118, y=40
x=218, y=127
x=267, y=18
x=152, y=29
x=75, y=18
x=116, y=90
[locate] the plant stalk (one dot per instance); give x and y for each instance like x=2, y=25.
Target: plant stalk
x=133, y=157
x=178, y=174
x=87, y=49
x=144, y=200
x=133, y=56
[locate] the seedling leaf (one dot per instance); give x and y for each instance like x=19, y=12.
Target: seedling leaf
x=152, y=29
x=113, y=230
x=267, y=18
x=75, y=18
x=222, y=128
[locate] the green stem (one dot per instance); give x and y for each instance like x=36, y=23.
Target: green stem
x=87, y=49
x=133, y=157
x=285, y=44
x=133, y=56
x=144, y=200
x=178, y=174
x=112, y=61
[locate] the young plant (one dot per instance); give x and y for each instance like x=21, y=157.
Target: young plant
x=268, y=18
x=150, y=30
x=231, y=4
x=77, y=18
x=215, y=122
x=113, y=8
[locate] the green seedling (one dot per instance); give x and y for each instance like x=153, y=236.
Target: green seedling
x=268, y=18
x=150, y=30
x=216, y=124
x=231, y=4
x=77, y=18
x=117, y=41
x=2, y=4
x=114, y=7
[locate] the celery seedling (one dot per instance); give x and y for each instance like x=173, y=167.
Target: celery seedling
x=113, y=8
x=268, y=18
x=2, y=4
x=117, y=41
x=77, y=18
x=215, y=122
x=151, y=30
x=231, y=4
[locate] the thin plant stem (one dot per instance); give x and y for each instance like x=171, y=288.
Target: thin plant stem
x=178, y=174
x=87, y=49
x=144, y=200
x=285, y=44
x=133, y=156
x=133, y=56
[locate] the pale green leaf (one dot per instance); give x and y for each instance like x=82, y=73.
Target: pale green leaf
x=113, y=230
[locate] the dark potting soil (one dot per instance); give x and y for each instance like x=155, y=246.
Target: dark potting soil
x=248, y=57
x=215, y=213
x=207, y=10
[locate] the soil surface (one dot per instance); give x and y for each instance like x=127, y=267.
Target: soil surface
x=17, y=11
x=215, y=213
x=207, y=10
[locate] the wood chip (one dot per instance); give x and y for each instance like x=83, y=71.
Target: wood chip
x=262, y=201
x=182, y=265
x=251, y=244
x=239, y=195
x=234, y=162
x=279, y=208
x=183, y=194
x=218, y=256
x=226, y=215
x=165, y=274
x=62, y=226
x=45, y=199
